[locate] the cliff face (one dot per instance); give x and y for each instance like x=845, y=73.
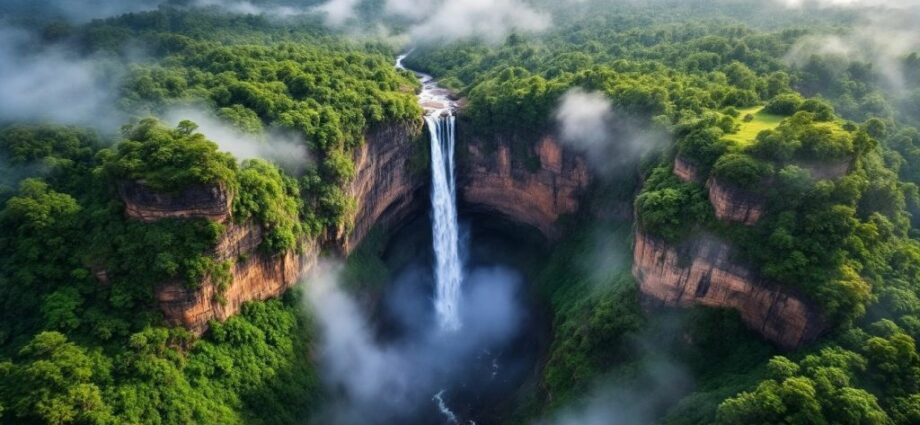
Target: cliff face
x=143, y=203
x=385, y=189
x=736, y=205
x=703, y=273
x=490, y=179
x=254, y=276
x=827, y=170
x=686, y=170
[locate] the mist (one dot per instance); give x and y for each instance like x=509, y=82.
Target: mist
x=658, y=383
x=286, y=149
x=881, y=38
x=449, y=20
x=393, y=374
x=588, y=123
x=51, y=84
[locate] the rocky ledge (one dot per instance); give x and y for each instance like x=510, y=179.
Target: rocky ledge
x=702, y=272
x=207, y=201
x=537, y=194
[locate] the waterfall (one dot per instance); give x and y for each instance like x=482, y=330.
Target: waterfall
x=448, y=267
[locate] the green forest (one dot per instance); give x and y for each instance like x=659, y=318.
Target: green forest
x=806, y=110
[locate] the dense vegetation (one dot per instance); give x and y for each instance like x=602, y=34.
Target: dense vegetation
x=81, y=337
x=841, y=237
x=823, y=141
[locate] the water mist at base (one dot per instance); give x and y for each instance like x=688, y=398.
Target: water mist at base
x=401, y=367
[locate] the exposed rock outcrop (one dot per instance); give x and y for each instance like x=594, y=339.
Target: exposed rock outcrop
x=385, y=188
x=733, y=204
x=827, y=170
x=686, y=170
x=254, y=276
x=703, y=272
x=538, y=194
x=207, y=201
x=385, y=192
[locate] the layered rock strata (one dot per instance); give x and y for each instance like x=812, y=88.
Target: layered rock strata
x=535, y=190
x=703, y=272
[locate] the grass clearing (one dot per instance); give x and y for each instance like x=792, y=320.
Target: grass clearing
x=747, y=131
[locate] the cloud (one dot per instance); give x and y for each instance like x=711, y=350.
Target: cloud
x=244, y=7
x=491, y=20
x=75, y=10
x=338, y=12
x=51, y=84
x=852, y=4
x=438, y=20
x=880, y=37
x=413, y=369
x=283, y=148
x=588, y=123
x=659, y=384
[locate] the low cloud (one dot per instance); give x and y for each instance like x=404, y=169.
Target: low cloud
x=51, y=84
x=658, y=385
x=588, y=123
x=853, y=4
x=881, y=37
x=75, y=10
x=244, y=7
x=417, y=370
x=439, y=20
x=283, y=148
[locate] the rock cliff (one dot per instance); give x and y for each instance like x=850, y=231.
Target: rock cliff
x=538, y=193
x=686, y=170
x=143, y=203
x=385, y=191
x=827, y=170
x=733, y=204
x=703, y=273
x=385, y=188
x=254, y=276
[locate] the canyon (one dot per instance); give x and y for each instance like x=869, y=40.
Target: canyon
x=387, y=190
x=534, y=187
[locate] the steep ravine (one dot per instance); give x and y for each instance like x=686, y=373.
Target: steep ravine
x=534, y=188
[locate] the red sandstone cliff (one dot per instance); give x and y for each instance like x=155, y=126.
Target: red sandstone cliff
x=490, y=179
x=733, y=204
x=254, y=276
x=384, y=188
x=686, y=170
x=143, y=203
x=704, y=273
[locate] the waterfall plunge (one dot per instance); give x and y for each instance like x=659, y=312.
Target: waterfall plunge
x=448, y=267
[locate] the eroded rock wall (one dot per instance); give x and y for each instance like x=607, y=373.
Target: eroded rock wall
x=537, y=194
x=254, y=276
x=686, y=170
x=206, y=201
x=385, y=188
x=735, y=205
x=703, y=273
